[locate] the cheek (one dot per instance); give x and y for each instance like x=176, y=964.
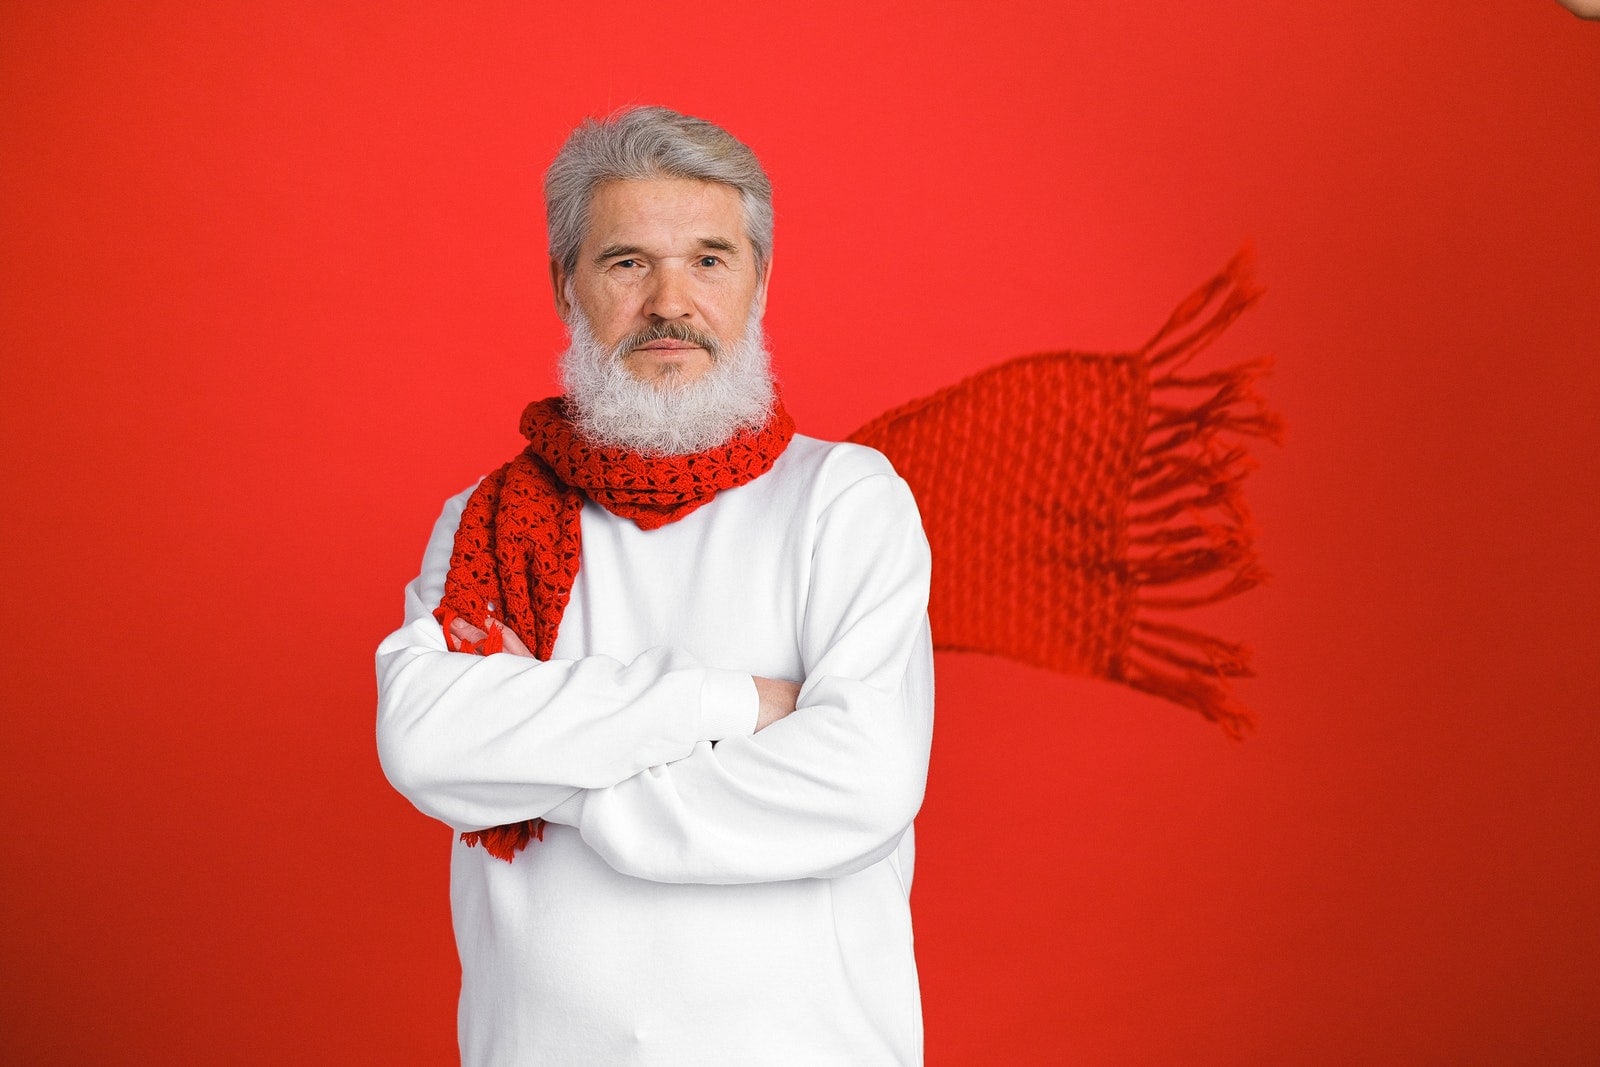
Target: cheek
x=611, y=315
x=734, y=308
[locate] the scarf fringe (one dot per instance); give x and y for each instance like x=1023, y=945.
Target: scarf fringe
x=493, y=641
x=1031, y=568
x=1189, y=525
x=504, y=842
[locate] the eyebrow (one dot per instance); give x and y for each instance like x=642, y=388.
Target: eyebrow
x=717, y=244
x=613, y=251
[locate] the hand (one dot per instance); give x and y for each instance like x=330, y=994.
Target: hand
x=468, y=635
x=777, y=700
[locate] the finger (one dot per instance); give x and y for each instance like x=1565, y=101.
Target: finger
x=466, y=631
x=464, y=637
x=510, y=642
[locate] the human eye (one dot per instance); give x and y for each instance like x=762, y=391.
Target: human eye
x=626, y=264
x=710, y=261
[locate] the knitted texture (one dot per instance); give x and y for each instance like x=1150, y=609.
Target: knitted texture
x=1072, y=500
x=519, y=542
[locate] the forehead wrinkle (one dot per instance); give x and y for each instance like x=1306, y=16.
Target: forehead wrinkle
x=663, y=218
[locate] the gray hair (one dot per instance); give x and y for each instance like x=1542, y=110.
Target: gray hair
x=650, y=142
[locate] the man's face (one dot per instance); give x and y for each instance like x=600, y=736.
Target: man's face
x=665, y=270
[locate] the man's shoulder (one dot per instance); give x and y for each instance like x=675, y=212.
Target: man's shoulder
x=820, y=477
x=832, y=465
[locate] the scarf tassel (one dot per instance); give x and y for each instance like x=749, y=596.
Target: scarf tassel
x=504, y=842
x=493, y=641
x=1192, y=529
x=1073, y=500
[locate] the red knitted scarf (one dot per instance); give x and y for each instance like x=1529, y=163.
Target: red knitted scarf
x=1077, y=502
x=1073, y=502
x=519, y=542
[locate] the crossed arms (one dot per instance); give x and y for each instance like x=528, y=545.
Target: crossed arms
x=676, y=771
x=775, y=697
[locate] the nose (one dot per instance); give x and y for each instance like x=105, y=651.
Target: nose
x=669, y=294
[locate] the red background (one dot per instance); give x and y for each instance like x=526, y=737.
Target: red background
x=273, y=287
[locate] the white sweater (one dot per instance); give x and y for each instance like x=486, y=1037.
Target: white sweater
x=704, y=894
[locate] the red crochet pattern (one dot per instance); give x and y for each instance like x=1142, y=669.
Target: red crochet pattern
x=517, y=548
x=1071, y=499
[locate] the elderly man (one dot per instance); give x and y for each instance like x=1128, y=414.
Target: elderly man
x=668, y=672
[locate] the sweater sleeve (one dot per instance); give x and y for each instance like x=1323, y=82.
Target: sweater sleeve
x=479, y=741
x=831, y=788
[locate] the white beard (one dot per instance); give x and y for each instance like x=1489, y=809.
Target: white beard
x=669, y=416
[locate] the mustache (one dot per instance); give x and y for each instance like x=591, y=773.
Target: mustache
x=670, y=331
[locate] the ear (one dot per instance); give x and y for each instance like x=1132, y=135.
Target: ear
x=558, y=282
x=761, y=287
